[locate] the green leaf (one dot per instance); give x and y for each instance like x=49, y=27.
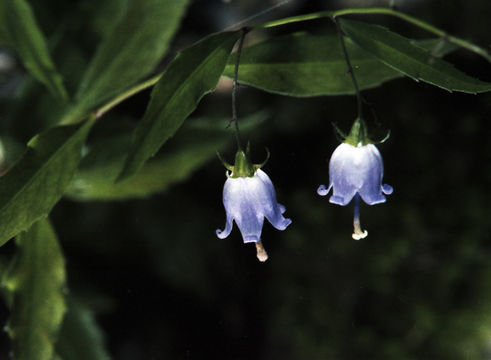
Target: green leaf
x=37, y=181
x=307, y=65
x=402, y=55
x=193, y=73
x=19, y=30
x=80, y=338
x=36, y=281
x=129, y=52
x=195, y=145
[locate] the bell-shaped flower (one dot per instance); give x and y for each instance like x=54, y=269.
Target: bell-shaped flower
x=356, y=170
x=248, y=198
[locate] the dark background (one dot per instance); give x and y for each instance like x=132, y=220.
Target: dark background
x=163, y=286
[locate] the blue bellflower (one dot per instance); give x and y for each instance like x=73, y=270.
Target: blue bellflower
x=356, y=171
x=248, y=198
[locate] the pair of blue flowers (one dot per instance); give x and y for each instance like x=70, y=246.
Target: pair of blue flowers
x=355, y=171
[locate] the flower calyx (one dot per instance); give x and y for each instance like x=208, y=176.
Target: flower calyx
x=243, y=167
x=358, y=135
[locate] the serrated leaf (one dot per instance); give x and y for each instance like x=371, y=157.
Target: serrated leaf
x=308, y=65
x=129, y=52
x=80, y=338
x=38, y=180
x=37, y=283
x=19, y=30
x=195, y=145
x=402, y=55
x=193, y=73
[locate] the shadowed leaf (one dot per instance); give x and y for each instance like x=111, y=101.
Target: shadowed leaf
x=195, y=145
x=129, y=52
x=38, y=180
x=191, y=75
x=19, y=30
x=308, y=65
x=404, y=56
x=36, y=283
x=80, y=338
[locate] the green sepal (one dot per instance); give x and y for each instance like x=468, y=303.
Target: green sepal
x=340, y=135
x=268, y=155
x=224, y=162
x=358, y=134
x=243, y=167
x=386, y=137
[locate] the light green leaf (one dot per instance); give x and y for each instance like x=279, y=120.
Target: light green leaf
x=38, y=180
x=36, y=281
x=195, y=145
x=129, y=52
x=192, y=74
x=402, y=55
x=307, y=65
x=80, y=338
x=19, y=30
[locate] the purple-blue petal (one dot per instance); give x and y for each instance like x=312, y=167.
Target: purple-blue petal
x=322, y=190
x=248, y=200
x=222, y=234
x=356, y=170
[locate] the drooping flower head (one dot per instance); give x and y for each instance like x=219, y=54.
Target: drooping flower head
x=356, y=170
x=248, y=198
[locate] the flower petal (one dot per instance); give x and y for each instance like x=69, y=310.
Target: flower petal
x=282, y=208
x=322, y=190
x=222, y=234
x=271, y=208
x=356, y=169
x=371, y=190
x=250, y=223
x=242, y=198
x=344, y=173
x=387, y=189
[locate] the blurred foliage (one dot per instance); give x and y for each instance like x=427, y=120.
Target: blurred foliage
x=36, y=280
x=148, y=278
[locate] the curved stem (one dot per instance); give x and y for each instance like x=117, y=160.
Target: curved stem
x=382, y=11
x=234, y=88
x=350, y=70
x=125, y=95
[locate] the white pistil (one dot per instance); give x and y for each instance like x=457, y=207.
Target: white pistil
x=358, y=233
x=262, y=255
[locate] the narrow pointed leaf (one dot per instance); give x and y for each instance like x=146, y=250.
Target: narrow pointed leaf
x=402, y=55
x=194, y=146
x=37, y=284
x=19, y=30
x=311, y=65
x=80, y=338
x=38, y=180
x=192, y=74
x=129, y=52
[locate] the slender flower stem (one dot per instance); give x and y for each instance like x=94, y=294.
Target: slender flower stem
x=262, y=255
x=358, y=233
x=382, y=11
x=130, y=92
x=234, y=88
x=359, y=100
x=75, y=117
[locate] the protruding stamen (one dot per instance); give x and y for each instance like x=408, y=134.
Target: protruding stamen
x=358, y=233
x=262, y=255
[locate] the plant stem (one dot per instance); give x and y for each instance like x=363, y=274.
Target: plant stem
x=128, y=93
x=234, y=89
x=359, y=100
x=381, y=11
